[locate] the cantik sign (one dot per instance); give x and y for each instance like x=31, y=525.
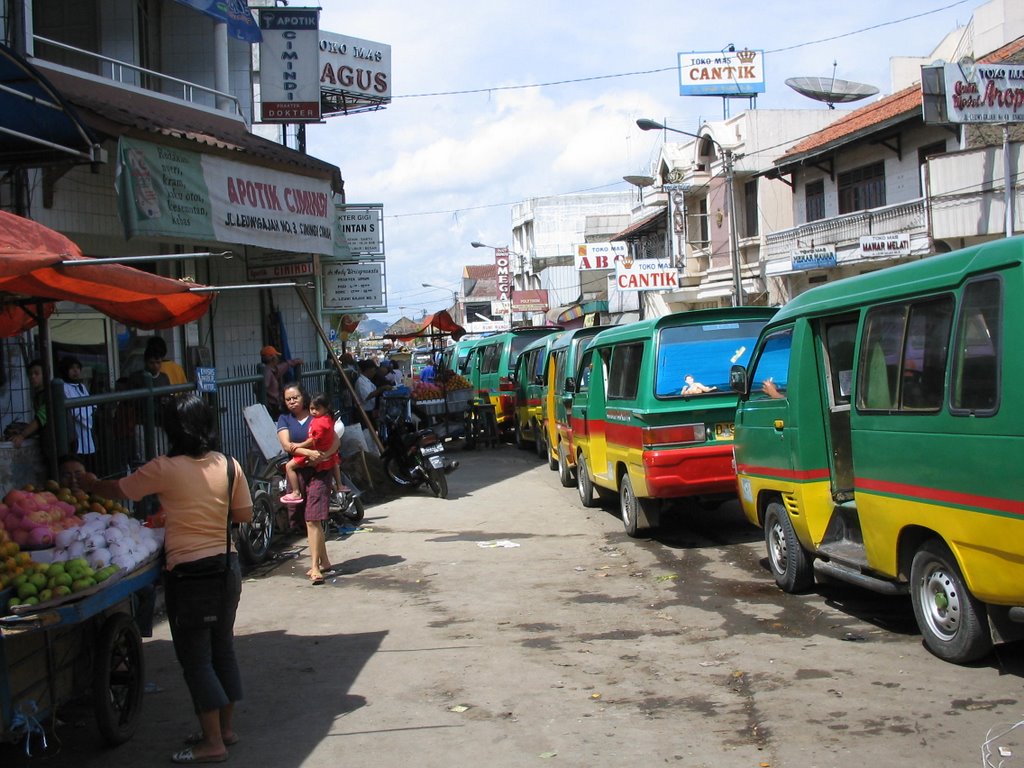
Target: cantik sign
x=721, y=73
x=646, y=275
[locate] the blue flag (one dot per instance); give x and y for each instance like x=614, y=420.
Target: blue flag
x=235, y=13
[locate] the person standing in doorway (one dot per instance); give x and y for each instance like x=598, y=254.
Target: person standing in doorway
x=156, y=347
x=79, y=419
x=274, y=369
x=38, y=426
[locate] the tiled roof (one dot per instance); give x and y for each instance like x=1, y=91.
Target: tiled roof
x=646, y=223
x=479, y=271
x=900, y=105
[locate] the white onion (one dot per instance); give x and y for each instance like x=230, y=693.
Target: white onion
x=98, y=558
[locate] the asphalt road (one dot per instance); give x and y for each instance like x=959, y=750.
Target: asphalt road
x=438, y=645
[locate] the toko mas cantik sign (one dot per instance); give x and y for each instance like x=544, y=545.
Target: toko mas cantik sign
x=646, y=275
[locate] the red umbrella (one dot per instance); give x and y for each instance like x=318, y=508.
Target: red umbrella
x=437, y=324
x=31, y=269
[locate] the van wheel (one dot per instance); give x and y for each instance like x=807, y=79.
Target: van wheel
x=541, y=445
x=517, y=429
x=639, y=516
x=791, y=566
x=952, y=620
x=583, y=484
x=564, y=470
x=552, y=460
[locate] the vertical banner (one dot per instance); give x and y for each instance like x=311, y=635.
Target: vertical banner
x=503, y=274
x=290, y=65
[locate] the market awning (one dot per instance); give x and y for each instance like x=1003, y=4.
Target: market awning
x=647, y=224
x=578, y=310
x=31, y=273
x=38, y=126
x=437, y=324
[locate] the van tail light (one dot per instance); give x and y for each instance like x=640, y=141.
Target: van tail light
x=508, y=403
x=674, y=435
x=506, y=385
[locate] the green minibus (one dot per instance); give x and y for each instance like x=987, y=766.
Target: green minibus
x=558, y=447
x=878, y=441
x=531, y=380
x=652, y=418
x=490, y=364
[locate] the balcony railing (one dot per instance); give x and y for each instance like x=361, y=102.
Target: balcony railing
x=126, y=73
x=848, y=228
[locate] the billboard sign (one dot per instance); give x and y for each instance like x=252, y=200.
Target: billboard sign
x=885, y=246
x=503, y=274
x=289, y=65
x=646, y=275
x=278, y=266
x=599, y=255
x=721, y=73
x=355, y=74
x=815, y=257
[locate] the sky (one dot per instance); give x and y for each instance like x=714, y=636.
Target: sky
x=531, y=99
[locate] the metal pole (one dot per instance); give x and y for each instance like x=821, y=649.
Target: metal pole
x=734, y=241
x=1007, y=180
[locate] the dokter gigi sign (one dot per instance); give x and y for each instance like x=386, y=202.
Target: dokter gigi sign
x=169, y=192
x=646, y=275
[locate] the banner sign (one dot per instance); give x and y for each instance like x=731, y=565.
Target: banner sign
x=353, y=287
x=290, y=65
x=359, y=231
x=646, y=275
x=721, y=73
x=530, y=301
x=234, y=13
x=275, y=266
x=815, y=257
x=358, y=71
x=885, y=245
x=984, y=93
x=169, y=192
x=503, y=274
x=599, y=255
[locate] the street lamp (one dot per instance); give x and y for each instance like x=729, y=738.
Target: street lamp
x=727, y=159
x=455, y=296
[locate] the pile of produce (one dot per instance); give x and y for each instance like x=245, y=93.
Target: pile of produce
x=454, y=381
x=33, y=519
x=41, y=582
x=13, y=561
x=104, y=540
x=424, y=391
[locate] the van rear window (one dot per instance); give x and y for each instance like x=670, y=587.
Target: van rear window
x=697, y=358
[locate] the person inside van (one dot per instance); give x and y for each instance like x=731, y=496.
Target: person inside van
x=769, y=388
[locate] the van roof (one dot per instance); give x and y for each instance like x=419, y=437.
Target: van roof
x=544, y=341
x=927, y=275
x=565, y=339
x=646, y=329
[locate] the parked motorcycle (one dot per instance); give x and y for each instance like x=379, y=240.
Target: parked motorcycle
x=271, y=517
x=412, y=457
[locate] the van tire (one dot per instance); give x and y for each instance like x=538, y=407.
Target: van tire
x=583, y=483
x=541, y=445
x=639, y=516
x=552, y=460
x=564, y=470
x=517, y=430
x=791, y=566
x=953, y=622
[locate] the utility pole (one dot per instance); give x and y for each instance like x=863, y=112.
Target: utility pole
x=734, y=240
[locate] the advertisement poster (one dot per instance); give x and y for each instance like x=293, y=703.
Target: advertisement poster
x=170, y=192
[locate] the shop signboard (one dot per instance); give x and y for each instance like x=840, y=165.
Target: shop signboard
x=814, y=257
x=290, y=65
x=174, y=193
x=355, y=74
x=503, y=274
x=972, y=92
x=646, y=275
x=532, y=300
x=359, y=231
x=353, y=287
x=885, y=246
x=599, y=255
x=278, y=266
x=721, y=73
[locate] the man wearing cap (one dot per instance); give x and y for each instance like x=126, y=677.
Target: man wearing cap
x=274, y=369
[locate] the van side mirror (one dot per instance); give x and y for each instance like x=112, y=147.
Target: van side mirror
x=570, y=384
x=738, y=379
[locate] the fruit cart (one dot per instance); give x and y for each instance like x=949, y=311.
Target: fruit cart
x=88, y=645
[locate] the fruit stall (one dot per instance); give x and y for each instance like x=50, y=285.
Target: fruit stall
x=77, y=572
x=445, y=400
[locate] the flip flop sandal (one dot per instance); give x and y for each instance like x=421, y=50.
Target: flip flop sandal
x=317, y=582
x=195, y=738
x=186, y=756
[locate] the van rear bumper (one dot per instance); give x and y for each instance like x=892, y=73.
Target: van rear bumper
x=675, y=472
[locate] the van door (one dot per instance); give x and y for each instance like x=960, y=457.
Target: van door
x=836, y=341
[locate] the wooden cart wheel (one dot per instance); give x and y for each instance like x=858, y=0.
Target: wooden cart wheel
x=118, y=679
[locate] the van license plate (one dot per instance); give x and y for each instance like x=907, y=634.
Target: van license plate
x=724, y=430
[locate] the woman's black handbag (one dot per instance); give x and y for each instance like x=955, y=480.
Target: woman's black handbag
x=201, y=588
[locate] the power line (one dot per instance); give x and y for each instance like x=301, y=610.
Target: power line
x=592, y=78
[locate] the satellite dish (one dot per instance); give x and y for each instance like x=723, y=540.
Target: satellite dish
x=830, y=90
x=639, y=181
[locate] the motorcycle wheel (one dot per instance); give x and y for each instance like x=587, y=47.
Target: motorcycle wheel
x=355, y=512
x=437, y=481
x=254, y=537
